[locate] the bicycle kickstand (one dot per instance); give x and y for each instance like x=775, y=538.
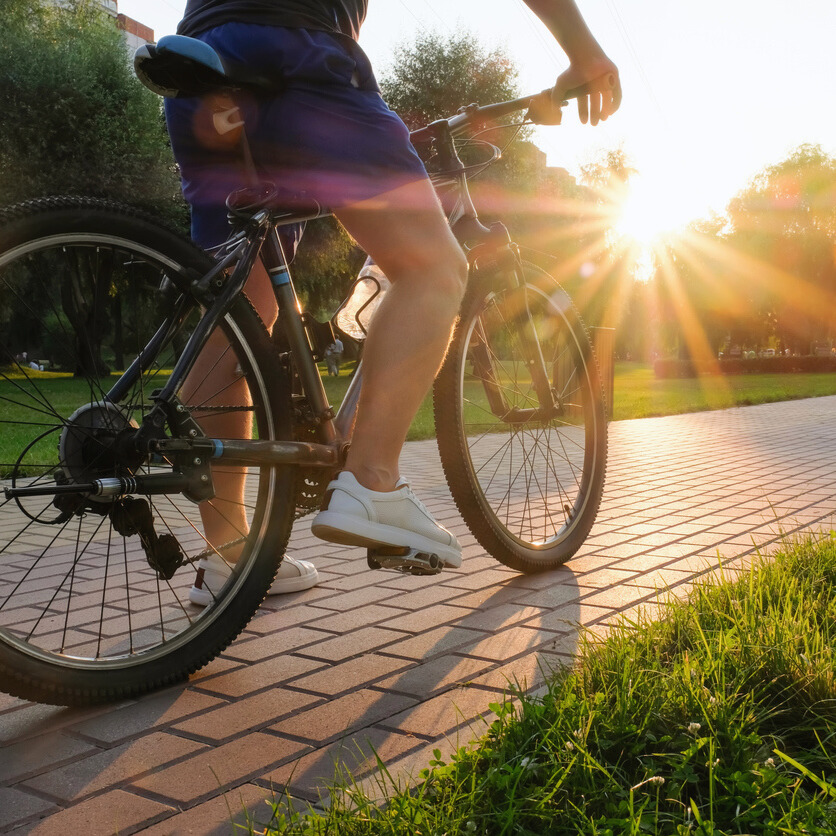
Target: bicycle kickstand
x=404, y=560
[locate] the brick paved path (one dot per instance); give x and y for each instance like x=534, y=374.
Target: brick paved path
x=406, y=665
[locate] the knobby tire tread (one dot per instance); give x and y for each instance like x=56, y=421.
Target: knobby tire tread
x=453, y=450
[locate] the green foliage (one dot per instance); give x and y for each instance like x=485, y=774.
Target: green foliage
x=327, y=264
x=786, y=218
x=766, y=274
x=718, y=718
x=434, y=76
x=76, y=120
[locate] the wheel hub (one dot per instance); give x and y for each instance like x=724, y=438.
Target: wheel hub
x=92, y=445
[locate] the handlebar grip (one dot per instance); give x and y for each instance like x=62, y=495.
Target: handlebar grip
x=543, y=111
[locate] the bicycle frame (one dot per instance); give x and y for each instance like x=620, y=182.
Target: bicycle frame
x=484, y=246
x=490, y=251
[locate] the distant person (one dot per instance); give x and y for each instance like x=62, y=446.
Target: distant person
x=334, y=356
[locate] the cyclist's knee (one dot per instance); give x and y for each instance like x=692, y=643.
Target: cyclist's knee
x=447, y=274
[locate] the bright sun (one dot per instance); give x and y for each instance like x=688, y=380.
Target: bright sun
x=652, y=210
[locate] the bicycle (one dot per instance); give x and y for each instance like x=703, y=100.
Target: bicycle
x=105, y=474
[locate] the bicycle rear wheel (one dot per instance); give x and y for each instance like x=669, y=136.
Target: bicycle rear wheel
x=528, y=486
x=83, y=615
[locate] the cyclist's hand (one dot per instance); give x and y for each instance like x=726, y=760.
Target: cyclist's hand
x=596, y=86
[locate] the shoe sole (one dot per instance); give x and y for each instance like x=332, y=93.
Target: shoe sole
x=349, y=531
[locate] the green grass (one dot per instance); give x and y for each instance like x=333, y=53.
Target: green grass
x=638, y=394
x=718, y=718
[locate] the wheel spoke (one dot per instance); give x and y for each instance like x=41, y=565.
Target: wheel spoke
x=85, y=591
x=528, y=488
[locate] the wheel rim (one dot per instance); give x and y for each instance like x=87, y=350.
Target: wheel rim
x=74, y=592
x=532, y=478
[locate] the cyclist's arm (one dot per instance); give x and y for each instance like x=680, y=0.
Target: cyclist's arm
x=589, y=64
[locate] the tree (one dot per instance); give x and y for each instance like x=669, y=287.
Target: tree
x=784, y=228
x=434, y=76
x=75, y=119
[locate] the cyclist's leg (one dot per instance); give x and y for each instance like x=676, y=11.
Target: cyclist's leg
x=406, y=233
x=214, y=381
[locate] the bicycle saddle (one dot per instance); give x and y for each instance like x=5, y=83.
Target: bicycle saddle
x=178, y=67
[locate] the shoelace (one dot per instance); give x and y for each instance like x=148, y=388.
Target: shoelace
x=418, y=502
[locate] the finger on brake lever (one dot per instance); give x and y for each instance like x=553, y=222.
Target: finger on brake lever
x=542, y=109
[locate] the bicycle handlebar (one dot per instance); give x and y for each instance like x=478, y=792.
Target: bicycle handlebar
x=475, y=114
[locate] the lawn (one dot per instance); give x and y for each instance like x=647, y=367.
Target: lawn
x=638, y=394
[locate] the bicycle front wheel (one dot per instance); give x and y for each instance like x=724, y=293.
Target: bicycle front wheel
x=528, y=484
x=96, y=598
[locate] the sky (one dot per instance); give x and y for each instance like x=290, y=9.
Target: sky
x=714, y=90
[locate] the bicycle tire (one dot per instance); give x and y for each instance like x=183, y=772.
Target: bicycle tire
x=116, y=629
x=540, y=516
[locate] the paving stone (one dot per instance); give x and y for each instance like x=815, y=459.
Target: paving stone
x=32, y=720
x=113, y=766
x=339, y=716
x=509, y=643
x=602, y=578
x=17, y=805
x=671, y=503
x=616, y=597
x=424, y=597
x=115, y=812
x=152, y=712
x=414, y=622
x=225, y=815
x=246, y=714
x=529, y=671
x=346, y=676
x=480, y=580
x=556, y=596
x=353, y=644
x=254, y=677
x=43, y=752
x=7, y=703
x=360, y=617
x=354, y=756
x=341, y=602
x=433, y=642
x=439, y=674
x=215, y=770
x=442, y=714
x=272, y=645
x=268, y=621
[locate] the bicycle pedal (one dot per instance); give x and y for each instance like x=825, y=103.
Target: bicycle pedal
x=404, y=560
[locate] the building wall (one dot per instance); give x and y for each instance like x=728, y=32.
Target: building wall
x=135, y=33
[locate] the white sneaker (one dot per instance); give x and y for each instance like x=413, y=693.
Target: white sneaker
x=355, y=516
x=212, y=573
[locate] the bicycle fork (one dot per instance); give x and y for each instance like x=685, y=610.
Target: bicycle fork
x=507, y=258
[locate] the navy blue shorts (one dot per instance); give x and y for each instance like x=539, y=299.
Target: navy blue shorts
x=328, y=134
